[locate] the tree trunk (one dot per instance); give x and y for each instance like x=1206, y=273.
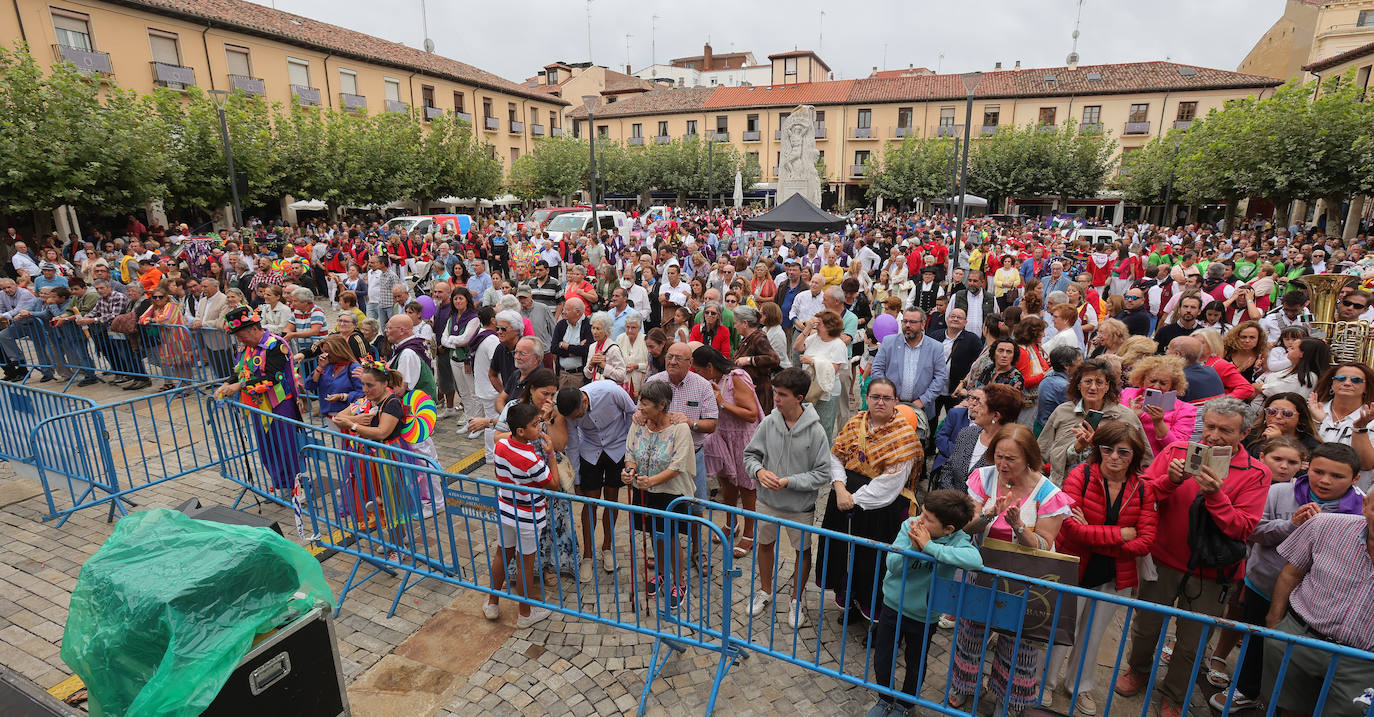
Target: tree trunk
x=1229, y=219
x=1281, y=206
x=1334, y=220
x=1352, y=218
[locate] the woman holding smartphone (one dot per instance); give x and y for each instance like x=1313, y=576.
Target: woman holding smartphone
x=1094, y=395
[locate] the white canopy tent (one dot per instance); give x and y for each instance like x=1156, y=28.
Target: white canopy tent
x=970, y=200
x=307, y=205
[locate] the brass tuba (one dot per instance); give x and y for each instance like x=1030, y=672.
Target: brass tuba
x=1349, y=340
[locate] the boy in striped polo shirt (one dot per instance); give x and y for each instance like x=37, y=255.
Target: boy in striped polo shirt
x=523, y=513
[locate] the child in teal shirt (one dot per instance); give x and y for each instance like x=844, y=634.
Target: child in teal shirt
x=937, y=532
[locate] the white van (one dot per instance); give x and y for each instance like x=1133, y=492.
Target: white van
x=1096, y=235
x=582, y=221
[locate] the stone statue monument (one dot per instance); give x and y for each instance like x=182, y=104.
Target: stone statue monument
x=797, y=165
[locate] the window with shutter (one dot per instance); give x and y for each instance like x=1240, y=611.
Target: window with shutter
x=164, y=49
x=238, y=61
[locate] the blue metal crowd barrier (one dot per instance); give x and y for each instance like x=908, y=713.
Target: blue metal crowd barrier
x=174, y=353
x=23, y=407
x=363, y=499
x=1008, y=604
x=99, y=454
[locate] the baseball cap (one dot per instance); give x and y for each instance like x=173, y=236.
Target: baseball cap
x=524, y=291
x=46, y=266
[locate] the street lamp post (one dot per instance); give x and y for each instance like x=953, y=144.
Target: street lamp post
x=221, y=97
x=592, y=103
x=710, y=172
x=971, y=80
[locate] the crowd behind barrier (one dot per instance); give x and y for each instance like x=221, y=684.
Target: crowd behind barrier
x=361, y=498
x=1037, y=355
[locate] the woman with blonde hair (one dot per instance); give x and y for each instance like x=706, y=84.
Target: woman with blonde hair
x=1110, y=334
x=1212, y=351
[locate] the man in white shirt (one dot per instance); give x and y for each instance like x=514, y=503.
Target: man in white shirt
x=673, y=289
x=810, y=302
x=868, y=258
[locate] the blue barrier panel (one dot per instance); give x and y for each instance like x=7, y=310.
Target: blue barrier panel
x=1001, y=626
x=23, y=407
x=26, y=342
x=99, y=454
x=363, y=499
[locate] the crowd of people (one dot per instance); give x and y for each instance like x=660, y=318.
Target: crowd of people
x=1024, y=385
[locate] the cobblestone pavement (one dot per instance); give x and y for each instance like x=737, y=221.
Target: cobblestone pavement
x=437, y=655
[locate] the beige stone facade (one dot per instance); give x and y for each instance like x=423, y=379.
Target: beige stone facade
x=857, y=119
x=228, y=44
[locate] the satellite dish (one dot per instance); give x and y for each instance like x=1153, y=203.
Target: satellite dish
x=429, y=45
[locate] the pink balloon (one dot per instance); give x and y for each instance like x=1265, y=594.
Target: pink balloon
x=883, y=326
x=426, y=307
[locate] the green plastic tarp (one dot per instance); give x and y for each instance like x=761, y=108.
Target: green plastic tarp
x=166, y=609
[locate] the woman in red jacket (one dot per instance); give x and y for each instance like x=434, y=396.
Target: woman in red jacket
x=1029, y=334
x=710, y=331
x=1113, y=524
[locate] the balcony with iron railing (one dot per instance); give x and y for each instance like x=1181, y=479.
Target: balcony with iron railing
x=1047, y=128
x=635, y=141
x=433, y=113
x=863, y=133
x=949, y=130
x=491, y=124
x=1182, y=124
x=1342, y=29
x=397, y=107
x=903, y=131
x=752, y=135
x=537, y=130
x=308, y=96
x=720, y=136
x=857, y=170
x=517, y=127
x=987, y=130
x=87, y=61
x=176, y=77
x=1091, y=127
x=555, y=131
x=1137, y=128
x=465, y=116
x=249, y=85
x=352, y=102
x=662, y=139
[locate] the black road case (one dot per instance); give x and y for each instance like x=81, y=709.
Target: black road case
x=294, y=670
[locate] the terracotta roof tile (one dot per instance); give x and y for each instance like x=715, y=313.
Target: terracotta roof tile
x=298, y=30
x=1113, y=79
x=905, y=72
x=806, y=93
x=617, y=82
x=1332, y=61
x=653, y=102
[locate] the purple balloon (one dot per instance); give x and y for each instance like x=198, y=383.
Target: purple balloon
x=883, y=326
x=426, y=307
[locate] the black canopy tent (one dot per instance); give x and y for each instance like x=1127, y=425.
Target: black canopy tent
x=796, y=214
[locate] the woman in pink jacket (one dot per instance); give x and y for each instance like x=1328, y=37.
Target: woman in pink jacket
x=1163, y=374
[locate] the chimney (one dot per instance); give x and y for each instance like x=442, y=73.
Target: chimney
x=1018, y=64
x=1072, y=61
x=706, y=58
x=875, y=69
x=627, y=70
x=997, y=67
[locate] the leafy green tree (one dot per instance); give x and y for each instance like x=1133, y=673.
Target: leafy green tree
x=64, y=144
x=916, y=168
x=198, y=177
x=1076, y=162
x=556, y=168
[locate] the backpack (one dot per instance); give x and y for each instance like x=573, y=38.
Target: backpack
x=1211, y=548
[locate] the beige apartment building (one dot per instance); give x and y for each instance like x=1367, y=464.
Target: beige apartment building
x=285, y=58
x=857, y=119
x=1310, y=33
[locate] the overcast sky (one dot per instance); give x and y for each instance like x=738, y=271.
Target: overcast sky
x=515, y=38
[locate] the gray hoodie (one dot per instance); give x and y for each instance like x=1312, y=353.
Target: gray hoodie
x=800, y=454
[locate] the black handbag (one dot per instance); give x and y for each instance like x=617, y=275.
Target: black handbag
x=1210, y=547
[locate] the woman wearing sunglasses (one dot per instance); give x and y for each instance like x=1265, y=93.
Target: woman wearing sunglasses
x=1112, y=524
x=1342, y=405
x=1285, y=414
